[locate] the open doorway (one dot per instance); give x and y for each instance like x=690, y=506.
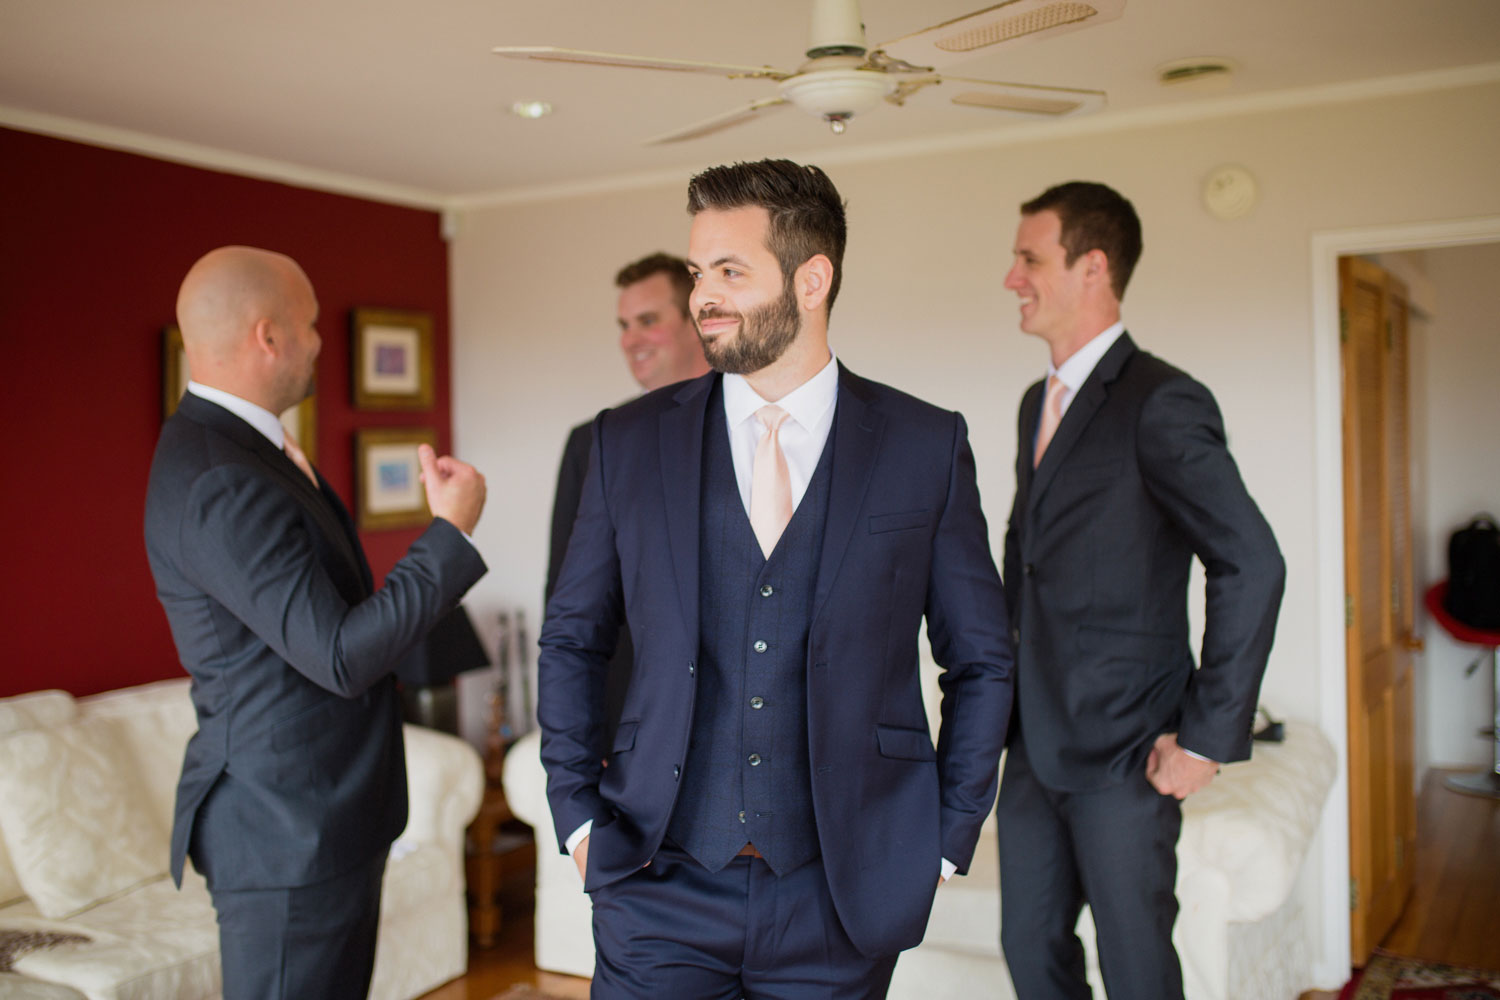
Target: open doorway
x=1440, y=254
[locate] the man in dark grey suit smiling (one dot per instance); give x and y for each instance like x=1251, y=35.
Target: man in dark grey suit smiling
x=294, y=786
x=1122, y=476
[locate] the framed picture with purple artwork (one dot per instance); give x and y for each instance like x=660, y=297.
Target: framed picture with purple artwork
x=392, y=359
x=387, y=478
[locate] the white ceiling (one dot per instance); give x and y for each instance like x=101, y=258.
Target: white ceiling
x=406, y=98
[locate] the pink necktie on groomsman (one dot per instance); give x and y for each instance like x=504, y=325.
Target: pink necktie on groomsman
x=1051, y=417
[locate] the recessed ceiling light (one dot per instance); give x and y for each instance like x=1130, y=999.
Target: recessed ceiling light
x=1198, y=73
x=531, y=109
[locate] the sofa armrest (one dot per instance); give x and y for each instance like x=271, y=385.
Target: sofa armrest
x=525, y=782
x=445, y=784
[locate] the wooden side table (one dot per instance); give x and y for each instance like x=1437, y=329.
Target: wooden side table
x=499, y=849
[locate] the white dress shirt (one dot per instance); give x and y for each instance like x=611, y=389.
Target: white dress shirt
x=809, y=410
x=258, y=417
x=1076, y=370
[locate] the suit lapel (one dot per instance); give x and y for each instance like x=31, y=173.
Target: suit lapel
x=857, y=429
x=681, y=437
x=1091, y=396
x=337, y=527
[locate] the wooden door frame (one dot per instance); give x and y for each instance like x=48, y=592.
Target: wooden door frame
x=1331, y=844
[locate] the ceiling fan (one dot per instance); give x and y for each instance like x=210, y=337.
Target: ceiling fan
x=843, y=77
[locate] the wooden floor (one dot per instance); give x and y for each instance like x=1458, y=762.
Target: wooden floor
x=1453, y=915
x=1454, y=911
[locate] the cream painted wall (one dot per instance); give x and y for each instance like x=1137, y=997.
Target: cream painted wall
x=922, y=307
x=1461, y=373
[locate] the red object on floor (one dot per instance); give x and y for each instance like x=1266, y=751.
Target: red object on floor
x=1434, y=598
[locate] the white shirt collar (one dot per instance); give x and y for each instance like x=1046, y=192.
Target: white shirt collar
x=1076, y=370
x=809, y=404
x=258, y=417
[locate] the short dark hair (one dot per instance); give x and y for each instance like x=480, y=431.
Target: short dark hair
x=675, y=268
x=1094, y=217
x=807, y=214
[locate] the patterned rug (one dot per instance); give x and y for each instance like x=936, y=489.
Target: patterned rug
x=521, y=991
x=1392, y=977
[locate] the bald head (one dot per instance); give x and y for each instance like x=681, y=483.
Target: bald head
x=246, y=317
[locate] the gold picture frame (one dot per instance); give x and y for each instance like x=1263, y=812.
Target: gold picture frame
x=387, y=478
x=392, y=358
x=301, y=421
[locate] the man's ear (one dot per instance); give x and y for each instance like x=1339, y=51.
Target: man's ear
x=1096, y=266
x=265, y=339
x=813, y=280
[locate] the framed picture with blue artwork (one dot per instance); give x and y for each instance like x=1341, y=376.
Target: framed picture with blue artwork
x=392, y=359
x=387, y=478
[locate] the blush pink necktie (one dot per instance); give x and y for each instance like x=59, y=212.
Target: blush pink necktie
x=299, y=459
x=1051, y=417
x=770, y=482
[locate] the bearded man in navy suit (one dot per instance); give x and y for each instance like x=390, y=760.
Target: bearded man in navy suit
x=1122, y=477
x=771, y=817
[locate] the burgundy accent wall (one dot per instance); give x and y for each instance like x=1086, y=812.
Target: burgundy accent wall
x=93, y=244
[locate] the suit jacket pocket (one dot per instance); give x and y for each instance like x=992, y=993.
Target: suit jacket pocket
x=625, y=736
x=1089, y=472
x=905, y=744
x=1117, y=643
x=900, y=521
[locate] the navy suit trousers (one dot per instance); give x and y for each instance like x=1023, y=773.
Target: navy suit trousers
x=675, y=929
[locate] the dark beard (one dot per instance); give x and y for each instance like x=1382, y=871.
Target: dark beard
x=765, y=334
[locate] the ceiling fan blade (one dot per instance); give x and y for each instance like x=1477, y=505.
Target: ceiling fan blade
x=549, y=53
x=719, y=122
x=1015, y=20
x=1029, y=99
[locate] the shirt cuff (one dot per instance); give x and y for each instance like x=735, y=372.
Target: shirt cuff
x=948, y=869
x=1196, y=756
x=576, y=837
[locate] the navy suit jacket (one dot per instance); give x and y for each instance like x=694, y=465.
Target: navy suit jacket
x=297, y=771
x=1136, y=481
x=905, y=537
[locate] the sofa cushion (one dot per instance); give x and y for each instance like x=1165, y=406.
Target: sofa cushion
x=73, y=820
x=37, y=710
x=148, y=944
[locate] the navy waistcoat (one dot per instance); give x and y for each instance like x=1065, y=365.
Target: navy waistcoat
x=747, y=777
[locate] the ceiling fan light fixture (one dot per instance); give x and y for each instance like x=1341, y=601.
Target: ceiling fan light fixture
x=836, y=95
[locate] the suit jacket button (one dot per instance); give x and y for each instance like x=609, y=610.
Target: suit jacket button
x=692, y=670
x=1028, y=569
x=760, y=645
x=676, y=772
x=757, y=702
x=766, y=591
x=755, y=760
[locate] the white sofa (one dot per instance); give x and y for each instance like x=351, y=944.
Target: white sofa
x=1241, y=934
x=87, y=908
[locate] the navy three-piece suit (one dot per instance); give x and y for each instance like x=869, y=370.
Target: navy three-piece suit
x=776, y=701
